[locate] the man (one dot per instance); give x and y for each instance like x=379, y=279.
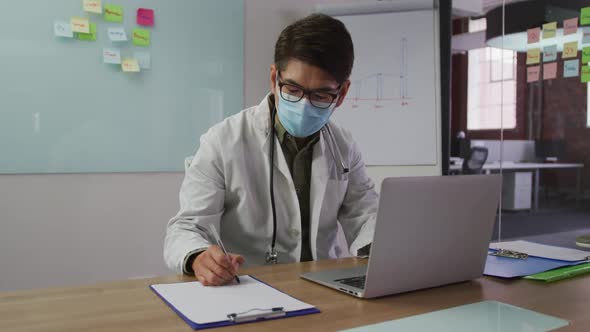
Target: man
x=319, y=178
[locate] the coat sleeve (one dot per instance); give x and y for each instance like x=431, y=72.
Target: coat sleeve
x=358, y=211
x=202, y=195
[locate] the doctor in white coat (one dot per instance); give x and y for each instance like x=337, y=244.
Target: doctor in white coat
x=318, y=176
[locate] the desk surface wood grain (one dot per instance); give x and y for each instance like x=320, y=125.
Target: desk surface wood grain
x=131, y=306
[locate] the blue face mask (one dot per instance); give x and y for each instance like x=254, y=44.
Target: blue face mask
x=302, y=119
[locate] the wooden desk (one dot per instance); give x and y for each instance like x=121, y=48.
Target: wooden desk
x=131, y=306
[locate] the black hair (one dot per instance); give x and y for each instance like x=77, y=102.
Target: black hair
x=318, y=40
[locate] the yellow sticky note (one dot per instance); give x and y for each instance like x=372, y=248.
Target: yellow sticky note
x=533, y=56
x=570, y=50
x=80, y=24
x=130, y=65
x=549, y=30
x=92, y=6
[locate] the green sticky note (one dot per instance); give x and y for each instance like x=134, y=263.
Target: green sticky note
x=585, y=16
x=585, y=74
x=88, y=36
x=586, y=55
x=113, y=13
x=141, y=37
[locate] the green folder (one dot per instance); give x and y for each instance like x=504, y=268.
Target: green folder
x=561, y=273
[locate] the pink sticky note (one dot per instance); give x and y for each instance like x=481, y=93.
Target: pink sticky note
x=550, y=70
x=145, y=17
x=533, y=35
x=532, y=73
x=570, y=26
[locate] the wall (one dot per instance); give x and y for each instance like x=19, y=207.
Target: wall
x=68, y=229
x=74, y=229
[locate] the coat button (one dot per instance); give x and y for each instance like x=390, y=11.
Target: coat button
x=294, y=232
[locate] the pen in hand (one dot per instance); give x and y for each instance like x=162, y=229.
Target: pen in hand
x=217, y=239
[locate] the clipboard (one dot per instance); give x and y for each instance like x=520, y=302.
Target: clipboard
x=207, y=307
x=515, y=259
x=506, y=267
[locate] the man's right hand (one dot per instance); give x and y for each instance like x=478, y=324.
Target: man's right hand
x=213, y=268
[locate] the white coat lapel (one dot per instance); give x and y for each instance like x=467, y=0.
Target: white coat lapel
x=319, y=181
x=263, y=123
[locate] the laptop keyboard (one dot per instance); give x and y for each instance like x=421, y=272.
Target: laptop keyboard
x=358, y=282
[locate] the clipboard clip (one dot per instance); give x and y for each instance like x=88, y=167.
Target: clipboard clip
x=509, y=254
x=256, y=314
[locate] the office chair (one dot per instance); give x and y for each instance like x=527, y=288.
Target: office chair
x=473, y=164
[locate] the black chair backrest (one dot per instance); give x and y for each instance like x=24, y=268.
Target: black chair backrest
x=473, y=164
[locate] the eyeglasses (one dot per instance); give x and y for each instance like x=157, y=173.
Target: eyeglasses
x=293, y=93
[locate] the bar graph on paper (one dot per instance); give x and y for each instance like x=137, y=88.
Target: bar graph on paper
x=382, y=90
x=393, y=89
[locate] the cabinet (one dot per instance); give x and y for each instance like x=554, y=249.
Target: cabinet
x=516, y=190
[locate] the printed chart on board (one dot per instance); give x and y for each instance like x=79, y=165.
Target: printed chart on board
x=393, y=98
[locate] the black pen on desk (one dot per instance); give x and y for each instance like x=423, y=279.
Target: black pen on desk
x=220, y=244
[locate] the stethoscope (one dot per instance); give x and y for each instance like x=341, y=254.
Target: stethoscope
x=272, y=255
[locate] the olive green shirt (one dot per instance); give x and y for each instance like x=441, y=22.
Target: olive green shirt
x=299, y=155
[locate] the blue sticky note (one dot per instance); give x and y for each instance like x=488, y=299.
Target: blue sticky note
x=549, y=53
x=571, y=68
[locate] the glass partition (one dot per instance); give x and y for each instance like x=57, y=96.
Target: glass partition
x=521, y=91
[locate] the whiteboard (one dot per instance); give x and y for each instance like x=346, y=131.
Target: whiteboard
x=62, y=110
x=392, y=104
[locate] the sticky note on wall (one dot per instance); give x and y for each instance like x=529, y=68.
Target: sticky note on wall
x=570, y=50
x=532, y=73
x=571, y=68
x=585, y=74
x=130, y=65
x=533, y=35
x=113, y=13
x=570, y=26
x=117, y=34
x=143, y=59
x=145, y=17
x=92, y=6
x=141, y=37
x=62, y=29
x=88, y=36
x=533, y=56
x=80, y=24
x=549, y=30
x=585, y=16
x=111, y=55
x=550, y=71
x=549, y=53
x=586, y=55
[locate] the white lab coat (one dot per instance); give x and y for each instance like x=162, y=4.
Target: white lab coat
x=227, y=185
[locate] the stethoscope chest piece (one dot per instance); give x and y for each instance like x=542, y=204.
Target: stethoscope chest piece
x=272, y=257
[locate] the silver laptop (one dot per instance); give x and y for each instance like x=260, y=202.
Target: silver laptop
x=430, y=231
